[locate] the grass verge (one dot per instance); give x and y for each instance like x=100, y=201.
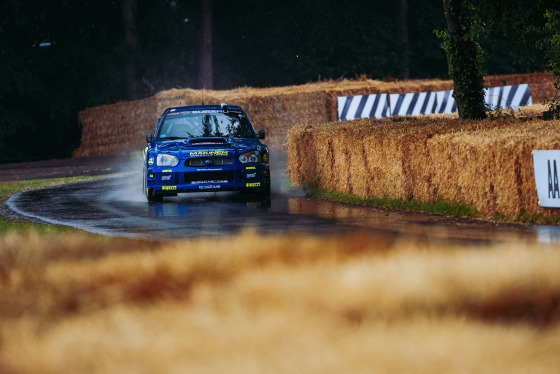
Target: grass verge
x=8, y=189
x=438, y=207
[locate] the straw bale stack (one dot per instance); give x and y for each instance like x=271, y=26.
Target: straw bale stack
x=541, y=83
x=487, y=165
x=113, y=129
x=120, y=127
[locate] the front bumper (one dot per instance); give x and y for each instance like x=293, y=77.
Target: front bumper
x=181, y=179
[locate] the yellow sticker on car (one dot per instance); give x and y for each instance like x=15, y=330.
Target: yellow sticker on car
x=253, y=185
x=208, y=153
x=250, y=168
x=169, y=188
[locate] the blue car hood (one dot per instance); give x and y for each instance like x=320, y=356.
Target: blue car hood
x=233, y=144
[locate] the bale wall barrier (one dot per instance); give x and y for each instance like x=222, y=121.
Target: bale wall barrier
x=389, y=105
x=487, y=165
x=120, y=128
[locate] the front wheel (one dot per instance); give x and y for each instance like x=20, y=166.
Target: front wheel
x=152, y=197
x=149, y=192
x=265, y=191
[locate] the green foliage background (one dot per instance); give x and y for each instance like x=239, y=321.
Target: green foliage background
x=464, y=57
x=255, y=43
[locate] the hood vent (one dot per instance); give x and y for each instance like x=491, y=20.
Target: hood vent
x=206, y=141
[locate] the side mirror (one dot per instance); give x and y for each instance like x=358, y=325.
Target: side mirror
x=261, y=134
x=149, y=138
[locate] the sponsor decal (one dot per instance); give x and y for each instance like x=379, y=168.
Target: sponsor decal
x=253, y=185
x=151, y=175
x=166, y=177
x=151, y=161
x=252, y=175
x=265, y=157
x=166, y=171
x=208, y=153
x=208, y=111
x=210, y=186
x=553, y=191
x=250, y=168
x=198, y=182
x=209, y=169
x=205, y=111
x=546, y=164
x=169, y=188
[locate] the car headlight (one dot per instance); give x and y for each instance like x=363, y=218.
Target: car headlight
x=249, y=157
x=167, y=160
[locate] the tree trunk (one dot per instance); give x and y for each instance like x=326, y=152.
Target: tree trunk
x=464, y=57
x=131, y=45
x=402, y=24
x=205, y=70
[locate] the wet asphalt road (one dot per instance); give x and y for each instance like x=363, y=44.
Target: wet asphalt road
x=116, y=206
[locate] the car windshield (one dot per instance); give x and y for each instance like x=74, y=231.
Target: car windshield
x=185, y=125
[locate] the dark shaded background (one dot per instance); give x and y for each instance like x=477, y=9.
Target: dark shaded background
x=59, y=57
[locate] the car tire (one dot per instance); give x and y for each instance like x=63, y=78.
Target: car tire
x=149, y=192
x=265, y=191
x=152, y=197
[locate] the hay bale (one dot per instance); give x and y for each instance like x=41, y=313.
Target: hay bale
x=120, y=127
x=115, y=128
x=541, y=83
x=487, y=165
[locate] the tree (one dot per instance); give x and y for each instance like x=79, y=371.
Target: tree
x=464, y=57
x=403, y=37
x=552, y=46
x=131, y=45
x=205, y=71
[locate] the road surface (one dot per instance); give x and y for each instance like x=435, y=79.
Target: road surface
x=116, y=206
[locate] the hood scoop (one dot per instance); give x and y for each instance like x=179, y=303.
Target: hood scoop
x=206, y=142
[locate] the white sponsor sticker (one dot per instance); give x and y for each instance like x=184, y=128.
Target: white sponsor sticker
x=210, y=186
x=198, y=182
x=546, y=165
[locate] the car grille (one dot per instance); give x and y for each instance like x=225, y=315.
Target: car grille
x=207, y=176
x=213, y=161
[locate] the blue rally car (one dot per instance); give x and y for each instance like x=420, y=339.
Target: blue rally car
x=205, y=148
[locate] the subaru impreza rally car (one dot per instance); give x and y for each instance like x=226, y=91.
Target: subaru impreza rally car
x=205, y=148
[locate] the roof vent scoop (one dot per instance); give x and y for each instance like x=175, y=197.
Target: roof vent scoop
x=224, y=107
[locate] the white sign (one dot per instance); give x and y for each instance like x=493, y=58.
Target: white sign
x=546, y=164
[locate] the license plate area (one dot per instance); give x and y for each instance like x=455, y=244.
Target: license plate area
x=218, y=176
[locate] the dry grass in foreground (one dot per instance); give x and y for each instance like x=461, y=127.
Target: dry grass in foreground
x=276, y=304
